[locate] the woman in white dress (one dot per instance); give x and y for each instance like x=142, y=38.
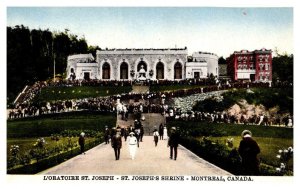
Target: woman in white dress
x=132, y=141
x=165, y=137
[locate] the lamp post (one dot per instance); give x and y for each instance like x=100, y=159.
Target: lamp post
x=53, y=67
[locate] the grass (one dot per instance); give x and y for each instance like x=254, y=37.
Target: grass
x=221, y=129
x=25, y=133
x=165, y=88
x=58, y=123
x=78, y=92
x=270, y=139
x=26, y=144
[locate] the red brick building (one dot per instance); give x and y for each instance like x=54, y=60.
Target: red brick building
x=254, y=65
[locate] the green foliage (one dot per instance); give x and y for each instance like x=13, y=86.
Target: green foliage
x=268, y=97
x=31, y=55
x=214, y=152
x=208, y=140
x=174, y=87
x=196, y=129
x=221, y=60
x=41, y=127
x=33, y=167
x=283, y=68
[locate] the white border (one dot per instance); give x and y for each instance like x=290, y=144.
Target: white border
x=37, y=182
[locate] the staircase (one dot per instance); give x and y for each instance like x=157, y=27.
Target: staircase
x=151, y=120
x=140, y=89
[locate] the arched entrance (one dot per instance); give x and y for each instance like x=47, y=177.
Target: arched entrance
x=106, y=71
x=160, y=71
x=124, y=71
x=177, y=71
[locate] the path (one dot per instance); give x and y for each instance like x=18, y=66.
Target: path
x=150, y=160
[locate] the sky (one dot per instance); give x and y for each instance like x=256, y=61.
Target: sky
x=219, y=30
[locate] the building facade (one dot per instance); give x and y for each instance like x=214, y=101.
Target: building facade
x=142, y=64
x=202, y=65
x=250, y=65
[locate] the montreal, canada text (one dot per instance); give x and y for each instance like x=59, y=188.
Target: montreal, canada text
x=150, y=178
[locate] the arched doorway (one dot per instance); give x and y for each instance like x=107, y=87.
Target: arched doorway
x=160, y=71
x=106, y=71
x=124, y=71
x=177, y=71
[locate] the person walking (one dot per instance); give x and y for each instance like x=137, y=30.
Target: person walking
x=155, y=135
x=161, y=131
x=173, y=143
x=116, y=144
x=141, y=133
x=137, y=133
x=248, y=150
x=106, y=135
x=165, y=133
x=81, y=142
x=132, y=141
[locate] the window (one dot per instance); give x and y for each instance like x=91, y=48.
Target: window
x=267, y=66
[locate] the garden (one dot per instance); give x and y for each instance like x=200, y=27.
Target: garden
x=35, y=144
x=218, y=142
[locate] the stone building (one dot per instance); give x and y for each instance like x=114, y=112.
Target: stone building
x=142, y=64
x=201, y=65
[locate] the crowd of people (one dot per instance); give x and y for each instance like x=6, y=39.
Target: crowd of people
x=150, y=102
x=226, y=117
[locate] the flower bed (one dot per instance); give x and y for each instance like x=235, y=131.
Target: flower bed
x=44, y=159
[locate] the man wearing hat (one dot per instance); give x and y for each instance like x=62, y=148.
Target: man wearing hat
x=116, y=143
x=249, y=150
x=106, y=135
x=173, y=143
x=81, y=142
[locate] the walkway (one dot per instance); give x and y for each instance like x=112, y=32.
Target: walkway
x=150, y=160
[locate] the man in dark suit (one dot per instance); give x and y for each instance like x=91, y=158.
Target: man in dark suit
x=249, y=150
x=116, y=143
x=173, y=142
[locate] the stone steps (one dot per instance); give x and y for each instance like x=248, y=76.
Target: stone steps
x=151, y=120
x=140, y=89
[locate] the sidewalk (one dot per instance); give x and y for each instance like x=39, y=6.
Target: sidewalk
x=150, y=160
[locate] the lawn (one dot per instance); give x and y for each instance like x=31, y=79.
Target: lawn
x=43, y=127
x=78, y=92
x=270, y=140
x=168, y=88
x=60, y=132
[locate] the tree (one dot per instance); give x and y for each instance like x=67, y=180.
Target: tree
x=283, y=68
x=31, y=55
x=93, y=49
x=221, y=60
